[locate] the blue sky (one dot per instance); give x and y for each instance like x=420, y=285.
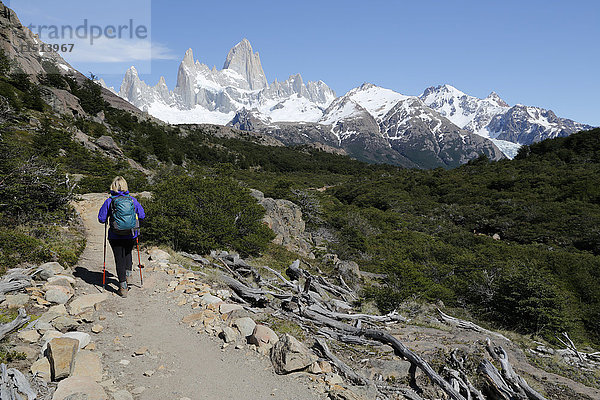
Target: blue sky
x=543, y=53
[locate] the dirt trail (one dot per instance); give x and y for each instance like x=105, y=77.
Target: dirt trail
x=184, y=362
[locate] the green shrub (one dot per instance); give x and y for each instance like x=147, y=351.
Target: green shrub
x=200, y=214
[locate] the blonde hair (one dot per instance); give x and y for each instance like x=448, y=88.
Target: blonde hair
x=119, y=184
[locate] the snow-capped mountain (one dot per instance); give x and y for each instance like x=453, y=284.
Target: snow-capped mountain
x=442, y=127
x=376, y=124
x=508, y=127
x=205, y=95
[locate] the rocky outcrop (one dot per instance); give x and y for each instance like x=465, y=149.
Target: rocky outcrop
x=285, y=220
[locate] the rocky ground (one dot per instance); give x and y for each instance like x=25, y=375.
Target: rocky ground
x=183, y=334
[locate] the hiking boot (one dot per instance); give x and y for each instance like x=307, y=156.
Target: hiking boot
x=122, y=292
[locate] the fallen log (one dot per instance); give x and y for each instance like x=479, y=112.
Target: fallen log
x=391, y=317
x=254, y=296
x=21, y=319
x=344, y=369
x=468, y=325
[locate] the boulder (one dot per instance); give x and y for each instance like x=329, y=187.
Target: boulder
x=228, y=334
x=41, y=368
x=61, y=354
x=245, y=325
x=50, y=269
x=289, y=354
x=57, y=294
x=58, y=309
x=109, y=144
x=263, y=336
x=79, y=384
x=61, y=280
x=88, y=364
x=86, y=301
x=159, y=255
x=16, y=300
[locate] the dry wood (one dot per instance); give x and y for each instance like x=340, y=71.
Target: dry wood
x=21, y=319
x=13, y=384
x=391, y=317
x=517, y=383
x=468, y=325
x=414, y=359
x=254, y=296
x=344, y=369
x=498, y=387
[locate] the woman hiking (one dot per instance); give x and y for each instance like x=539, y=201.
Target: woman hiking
x=123, y=213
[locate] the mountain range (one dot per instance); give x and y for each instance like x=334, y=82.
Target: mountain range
x=441, y=127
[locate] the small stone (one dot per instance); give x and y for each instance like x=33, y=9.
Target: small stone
x=41, y=368
x=101, y=317
x=61, y=354
x=226, y=308
x=159, y=255
x=64, y=323
x=149, y=373
x=88, y=364
x=50, y=269
x=29, y=336
x=86, y=316
x=91, y=347
x=138, y=390
x=80, y=384
x=59, y=309
x=127, y=335
x=141, y=351
x=97, y=328
x=124, y=362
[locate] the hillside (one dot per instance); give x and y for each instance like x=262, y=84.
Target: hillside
x=510, y=244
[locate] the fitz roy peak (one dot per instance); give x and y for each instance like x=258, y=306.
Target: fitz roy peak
x=442, y=127
x=205, y=95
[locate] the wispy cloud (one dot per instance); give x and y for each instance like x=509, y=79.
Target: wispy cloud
x=117, y=51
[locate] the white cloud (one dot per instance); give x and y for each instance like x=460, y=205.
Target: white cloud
x=105, y=50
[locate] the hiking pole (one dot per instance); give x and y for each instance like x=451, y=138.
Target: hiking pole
x=104, y=263
x=140, y=265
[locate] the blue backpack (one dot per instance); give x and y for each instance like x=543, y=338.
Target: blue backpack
x=123, y=218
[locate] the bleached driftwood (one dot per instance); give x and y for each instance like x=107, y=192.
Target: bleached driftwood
x=21, y=319
x=510, y=383
x=468, y=325
x=15, y=279
x=13, y=384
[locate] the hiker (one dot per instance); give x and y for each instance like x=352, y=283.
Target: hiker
x=122, y=211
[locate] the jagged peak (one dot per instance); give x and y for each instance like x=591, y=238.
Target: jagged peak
x=493, y=96
x=188, y=58
x=244, y=61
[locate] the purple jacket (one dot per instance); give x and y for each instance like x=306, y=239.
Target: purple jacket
x=105, y=210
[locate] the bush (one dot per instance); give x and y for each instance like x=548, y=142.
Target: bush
x=199, y=214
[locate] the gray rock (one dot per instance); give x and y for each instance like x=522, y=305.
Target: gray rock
x=50, y=269
x=289, y=354
x=64, y=323
x=79, y=385
x=108, y=143
x=56, y=295
x=228, y=334
x=245, y=325
x=263, y=336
